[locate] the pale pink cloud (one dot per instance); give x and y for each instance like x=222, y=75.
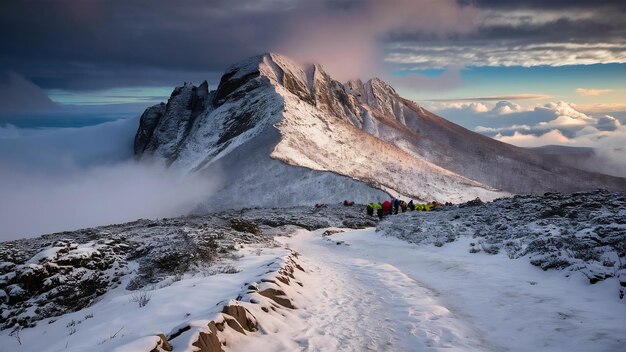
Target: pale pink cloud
x=592, y=92
x=348, y=43
x=528, y=140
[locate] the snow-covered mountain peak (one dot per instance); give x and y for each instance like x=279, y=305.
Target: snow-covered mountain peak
x=274, y=121
x=379, y=86
x=312, y=84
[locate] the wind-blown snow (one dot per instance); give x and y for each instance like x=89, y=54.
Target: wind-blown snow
x=370, y=292
x=356, y=303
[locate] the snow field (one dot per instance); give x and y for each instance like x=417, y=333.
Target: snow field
x=518, y=307
x=368, y=292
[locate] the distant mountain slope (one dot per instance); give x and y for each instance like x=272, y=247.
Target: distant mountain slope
x=283, y=133
x=583, y=158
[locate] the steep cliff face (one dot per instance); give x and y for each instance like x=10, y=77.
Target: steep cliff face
x=148, y=123
x=164, y=128
x=269, y=108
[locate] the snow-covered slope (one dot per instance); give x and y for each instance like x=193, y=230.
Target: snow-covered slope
x=274, y=122
x=54, y=274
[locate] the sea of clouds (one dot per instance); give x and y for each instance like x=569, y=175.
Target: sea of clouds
x=69, y=178
x=555, y=123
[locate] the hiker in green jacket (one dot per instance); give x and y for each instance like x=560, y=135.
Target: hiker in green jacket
x=370, y=209
x=379, y=210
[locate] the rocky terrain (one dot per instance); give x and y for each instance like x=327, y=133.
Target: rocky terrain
x=582, y=232
x=63, y=272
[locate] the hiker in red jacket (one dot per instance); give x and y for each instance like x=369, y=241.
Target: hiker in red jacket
x=386, y=207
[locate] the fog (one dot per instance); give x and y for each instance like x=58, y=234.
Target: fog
x=71, y=178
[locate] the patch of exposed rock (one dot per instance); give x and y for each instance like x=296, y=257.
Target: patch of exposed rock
x=243, y=315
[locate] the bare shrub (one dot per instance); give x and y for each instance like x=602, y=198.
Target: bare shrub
x=233, y=256
x=228, y=269
x=111, y=337
x=224, y=269
x=141, y=297
x=242, y=225
x=490, y=248
x=16, y=333
x=178, y=277
x=72, y=327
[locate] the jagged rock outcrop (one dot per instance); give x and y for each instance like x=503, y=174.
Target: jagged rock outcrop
x=162, y=345
x=358, y=138
x=244, y=316
x=172, y=122
x=149, y=121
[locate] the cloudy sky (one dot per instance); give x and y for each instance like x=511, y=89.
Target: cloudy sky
x=76, y=74
x=460, y=58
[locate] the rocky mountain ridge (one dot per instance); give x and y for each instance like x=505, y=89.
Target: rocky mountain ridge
x=361, y=139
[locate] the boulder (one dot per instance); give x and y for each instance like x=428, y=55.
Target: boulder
x=208, y=342
x=243, y=316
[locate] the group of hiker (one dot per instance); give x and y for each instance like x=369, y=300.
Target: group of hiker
x=392, y=207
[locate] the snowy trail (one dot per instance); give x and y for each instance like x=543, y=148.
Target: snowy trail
x=377, y=293
x=363, y=291
x=356, y=304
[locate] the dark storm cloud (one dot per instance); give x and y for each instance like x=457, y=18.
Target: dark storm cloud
x=90, y=45
x=571, y=19
x=557, y=30
x=545, y=4
x=533, y=26
x=58, y=44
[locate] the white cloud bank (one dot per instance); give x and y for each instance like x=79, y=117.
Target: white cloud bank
x=556, y=123
x=66, y=179
x=525, y=55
